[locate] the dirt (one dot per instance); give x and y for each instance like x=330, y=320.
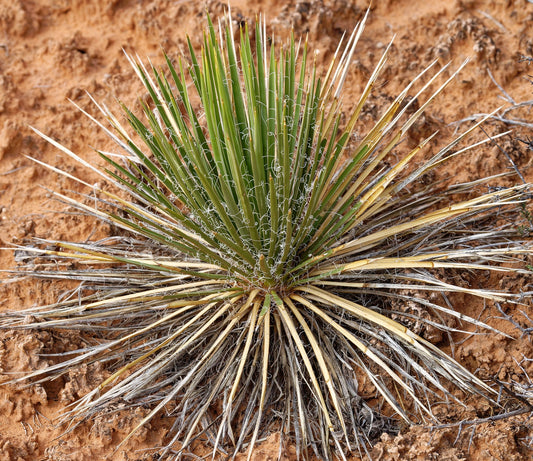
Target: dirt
x=53, y=51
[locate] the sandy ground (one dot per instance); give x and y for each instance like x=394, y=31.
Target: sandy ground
x=54, y=50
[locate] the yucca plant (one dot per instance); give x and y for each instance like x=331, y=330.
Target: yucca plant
x=269, y=259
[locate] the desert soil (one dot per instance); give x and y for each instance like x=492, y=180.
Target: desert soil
x=52, y=51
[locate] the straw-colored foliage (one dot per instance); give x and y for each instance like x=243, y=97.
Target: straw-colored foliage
x=268, y=254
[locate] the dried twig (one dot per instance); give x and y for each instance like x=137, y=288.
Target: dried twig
x=478, y=421
x=515, y=168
